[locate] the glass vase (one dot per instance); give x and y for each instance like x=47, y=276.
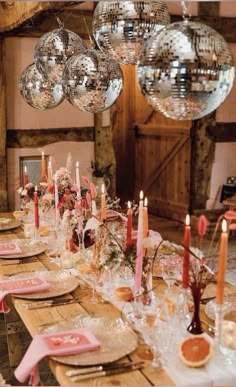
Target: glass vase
x=197, y=289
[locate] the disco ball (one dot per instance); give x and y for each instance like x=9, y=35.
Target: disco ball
x=39, y=92
x=122, y=28
x=92, y=81
x=52, y=51
x=186, y=71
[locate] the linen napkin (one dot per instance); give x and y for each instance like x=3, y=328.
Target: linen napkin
x=9, y=248
x=21, y=286
x=54, y=344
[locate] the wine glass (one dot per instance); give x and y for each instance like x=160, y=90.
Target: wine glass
x=170, y=270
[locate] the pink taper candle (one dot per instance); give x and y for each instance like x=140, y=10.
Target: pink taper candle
x=139, y=248
x=36, y=209
x=50, y=170
x=187, y=234
x=222, y=264
x=103, y=203
x=57, y=215
x=26, y=176
x=77, y=180
x=129, y=226
x=145, y=218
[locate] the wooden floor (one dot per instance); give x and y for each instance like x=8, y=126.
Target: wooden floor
x=170, y=230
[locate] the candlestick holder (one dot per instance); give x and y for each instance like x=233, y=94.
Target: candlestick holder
x=220, y=311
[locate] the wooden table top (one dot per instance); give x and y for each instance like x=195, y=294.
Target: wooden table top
x=35, y=320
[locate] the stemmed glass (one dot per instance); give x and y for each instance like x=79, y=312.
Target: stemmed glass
x=170, y=267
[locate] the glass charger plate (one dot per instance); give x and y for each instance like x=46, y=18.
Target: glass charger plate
x=28, y=249
x=8, y=224
x=117, y=340
x=61, y=282
x=229, y=307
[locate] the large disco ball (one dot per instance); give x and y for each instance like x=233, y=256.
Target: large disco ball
x=92, y=81
x=186, y=70
x=39, y=92
x=122, y=28
x=54, y=49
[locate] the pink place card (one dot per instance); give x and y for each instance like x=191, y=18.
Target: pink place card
x=9, y=248
x=62, y=343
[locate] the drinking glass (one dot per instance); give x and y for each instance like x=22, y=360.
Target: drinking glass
x=170, y=267
x=228, y=342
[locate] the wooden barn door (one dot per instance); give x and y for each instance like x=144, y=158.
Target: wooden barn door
x=162, y=160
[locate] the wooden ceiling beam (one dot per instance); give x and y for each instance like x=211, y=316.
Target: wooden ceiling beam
x=39, y=19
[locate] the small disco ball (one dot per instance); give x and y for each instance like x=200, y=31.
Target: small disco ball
x=53, y=50
x=122, y=28
x=39, y=92
x=186, y=71
x=92, y=81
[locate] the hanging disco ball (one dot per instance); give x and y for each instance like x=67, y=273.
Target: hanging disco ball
x=53, y=50
x=92, y=81
x=122, y=28
x=186, y=71
x=39, y=92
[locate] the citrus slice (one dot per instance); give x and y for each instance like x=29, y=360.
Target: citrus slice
x=196, y=351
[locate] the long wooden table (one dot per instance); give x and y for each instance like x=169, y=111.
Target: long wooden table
x=35, y=320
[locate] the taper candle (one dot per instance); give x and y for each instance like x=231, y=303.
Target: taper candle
x=25, y=176
x=77, y=179
x=103, y=203
x=139, y=247
x=50, y=170
x=129, y=225
x=145, y=218
x=222, y=264
x=36, y=208
x=187, y=235
x=43, y=167
x=57, y=215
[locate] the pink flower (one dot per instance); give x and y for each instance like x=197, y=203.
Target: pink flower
x=230, y=215
x=75, y=188
x=202, y=225
x=85, y=180
x=88, y=198
x=93, y=190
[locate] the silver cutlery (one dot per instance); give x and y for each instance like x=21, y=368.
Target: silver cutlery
x=105, y=367
x=51, y=302
x=108, y=372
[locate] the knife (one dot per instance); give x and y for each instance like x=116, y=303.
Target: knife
x=105, y=367
x=46, y=303
x=120, y=370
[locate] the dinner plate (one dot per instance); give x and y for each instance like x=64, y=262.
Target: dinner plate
x=8, y=224
x=28, y=248
x=229, y=304
x=117, y=340
x=61, y=283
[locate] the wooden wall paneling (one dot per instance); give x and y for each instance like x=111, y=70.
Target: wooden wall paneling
x=104, y=151
x=3, y=162
x=203, y=151
x=124, y=136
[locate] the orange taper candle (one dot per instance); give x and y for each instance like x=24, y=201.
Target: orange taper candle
x=222, y=264
x=187, y=233
x=43, y=167
x=129, y=225
x=145, y=218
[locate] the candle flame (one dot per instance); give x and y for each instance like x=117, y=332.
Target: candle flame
x=145, y=202
x=141, y=195
x=77, y=164
x=103, y=188
x=129, y=204
x=187, y=220
x=25, y=169
x=36, y=188
x=224, y=225
x=42, y=154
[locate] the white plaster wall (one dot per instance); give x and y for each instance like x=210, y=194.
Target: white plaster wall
x=224, y=166
x=81, y=151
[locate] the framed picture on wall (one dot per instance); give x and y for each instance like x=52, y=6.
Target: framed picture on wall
x=30, y=166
